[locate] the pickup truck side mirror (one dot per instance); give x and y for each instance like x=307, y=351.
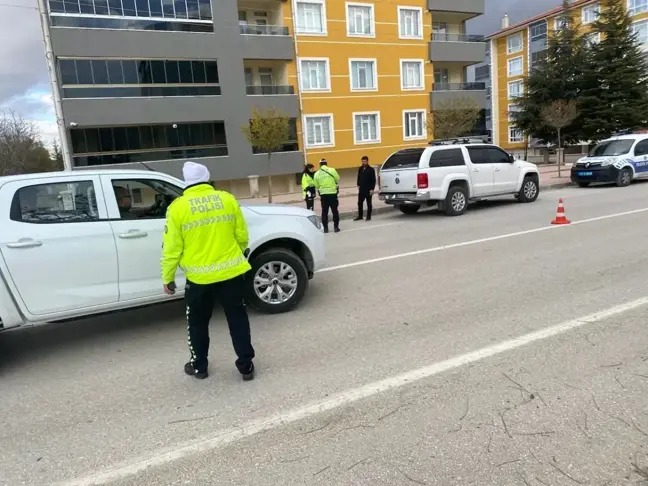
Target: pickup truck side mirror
x=511, y=158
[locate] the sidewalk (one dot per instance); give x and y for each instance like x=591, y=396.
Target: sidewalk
x=348, y=203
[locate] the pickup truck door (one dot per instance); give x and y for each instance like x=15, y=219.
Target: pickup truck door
x=138, y=228
x=57, y=244
x=506, y=174
x=481, y=170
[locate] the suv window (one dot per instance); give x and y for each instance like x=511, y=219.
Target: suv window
x=447, y=158
x=642, y=148
x=144, y=198
x=478, y=154
x=63, y=202
x=497, y=156
x=404, y=159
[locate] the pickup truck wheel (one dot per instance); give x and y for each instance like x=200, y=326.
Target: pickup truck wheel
x=409, y=209
x=529, y=191
x=277, y=282
x=456, y=201
x=624, y=178
x=583, y=184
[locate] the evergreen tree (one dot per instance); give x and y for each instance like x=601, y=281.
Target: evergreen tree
x=614, y=93
x=557, y=77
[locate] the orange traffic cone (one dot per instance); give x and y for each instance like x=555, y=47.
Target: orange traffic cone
x=560, y=214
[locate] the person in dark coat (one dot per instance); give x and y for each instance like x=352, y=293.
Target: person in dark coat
x=366, y=188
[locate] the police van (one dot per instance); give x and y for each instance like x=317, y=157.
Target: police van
x=619, y=159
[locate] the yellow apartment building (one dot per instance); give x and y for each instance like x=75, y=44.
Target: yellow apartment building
x=515, y=48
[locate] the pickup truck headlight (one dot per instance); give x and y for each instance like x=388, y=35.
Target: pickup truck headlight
x=316, y=221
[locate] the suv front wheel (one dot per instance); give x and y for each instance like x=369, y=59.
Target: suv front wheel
x=277, y=282
x=529, y=191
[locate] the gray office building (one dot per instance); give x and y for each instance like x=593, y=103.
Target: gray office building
x=164, y=81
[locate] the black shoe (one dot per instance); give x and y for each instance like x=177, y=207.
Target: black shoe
x=368, y=218
x=359, y=218
x=337, y=230
x=325, y=230
x=249, y=376
x=191, y=371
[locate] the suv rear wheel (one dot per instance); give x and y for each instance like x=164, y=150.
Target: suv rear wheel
x=277, y=282
x=408, y=209
x=456, y=201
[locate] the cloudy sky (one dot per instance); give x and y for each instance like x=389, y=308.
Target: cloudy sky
x=24, y=83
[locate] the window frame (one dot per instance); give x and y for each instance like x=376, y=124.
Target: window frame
x=508, y=90
x=421, y=62
x=511, y=111
x=588, y=8
x=322, y=5
x=327, y=70
x=509, y=74
x=633, y=11
x=378, y=128
x=404, y=8
x=372, y=13
x=633, y=27
x=557, y=23
x=511, y=128
x=113, y=205
x=536, y=37
x=331, y=130
x=509, y=50
x=375, y=74
x=423, y=135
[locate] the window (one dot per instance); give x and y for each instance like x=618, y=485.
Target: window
x=314, y=75
x=515, y=66
x=641, y=148
x=447, y=158
x=311, y=17
x=515, y=135
x=363, y=74
x=537, y=57
x=366, y=127
x=319, y=130
x=593, y=38
x=591, y=13
x=637, y=6
x=131, y=78
x=561, y=23
x=144, y=198
x=640, y=29
x=410, y=23
x=538, y=31
x=515, y=89
x=512, y=109
x=404, y=159
x=360, y=19
x=68, y=202
x=146, y=143
x=412, y=74
x=514, y=43
x=170, y=15
x=481, y=73
x=487, y=154
x=441, y=76
x=414, y=125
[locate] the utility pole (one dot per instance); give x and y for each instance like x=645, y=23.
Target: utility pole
x=56, y=94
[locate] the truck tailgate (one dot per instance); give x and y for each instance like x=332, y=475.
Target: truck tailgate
x=398, y=181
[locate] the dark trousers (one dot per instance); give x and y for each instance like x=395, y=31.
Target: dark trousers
x=310, y=203
x=362, y=197
x=200, y=301
x=330, y=201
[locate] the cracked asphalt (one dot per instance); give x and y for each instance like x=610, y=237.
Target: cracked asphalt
x=82, y=397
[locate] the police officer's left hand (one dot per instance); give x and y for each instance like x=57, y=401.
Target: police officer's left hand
x=169, y=288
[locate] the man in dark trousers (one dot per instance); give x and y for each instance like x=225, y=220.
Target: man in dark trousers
x=366, y=187
x=327, y=182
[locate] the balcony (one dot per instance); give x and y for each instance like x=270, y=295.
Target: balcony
x=444, y=93
x=252, y=29
x=458, y=48
x=468, y=8
x=262, y=32
x=267, y=86
x=271, y=89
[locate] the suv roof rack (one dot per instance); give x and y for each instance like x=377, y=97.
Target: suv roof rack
x=459, y=140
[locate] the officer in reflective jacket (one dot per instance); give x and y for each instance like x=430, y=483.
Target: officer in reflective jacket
x=206, y=236
x=327, y=182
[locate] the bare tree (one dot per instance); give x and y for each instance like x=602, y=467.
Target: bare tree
x=267, y=132
x=57, y=155
x=454, y=118
x=21, y=149
x=558, y=115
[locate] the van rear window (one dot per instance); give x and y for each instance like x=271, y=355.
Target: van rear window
x=404, y=159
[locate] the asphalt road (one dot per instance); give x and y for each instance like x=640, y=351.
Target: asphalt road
x=490, y=349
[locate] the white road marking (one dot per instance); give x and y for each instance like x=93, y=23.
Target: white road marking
x=477, y=242
x=368, y=227
x=348, y=397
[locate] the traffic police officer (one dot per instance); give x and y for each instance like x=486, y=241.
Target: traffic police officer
x=206, y=236
x=308, y=186
x=327, y=182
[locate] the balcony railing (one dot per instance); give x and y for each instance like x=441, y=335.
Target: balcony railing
x=440, y=37
x=251, y=29
x=270, y=90
x=459, y=87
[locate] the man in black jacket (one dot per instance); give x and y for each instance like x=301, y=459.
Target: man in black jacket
x=366, y=187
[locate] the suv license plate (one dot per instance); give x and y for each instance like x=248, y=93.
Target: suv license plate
x=585, y=174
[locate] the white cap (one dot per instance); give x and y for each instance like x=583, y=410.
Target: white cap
x=195, y=173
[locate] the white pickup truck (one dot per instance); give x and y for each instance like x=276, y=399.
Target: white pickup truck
x=451, y=175
x=69, y=248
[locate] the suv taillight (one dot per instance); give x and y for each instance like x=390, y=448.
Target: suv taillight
x=422, y=180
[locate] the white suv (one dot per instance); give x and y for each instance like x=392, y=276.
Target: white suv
x=452, y=174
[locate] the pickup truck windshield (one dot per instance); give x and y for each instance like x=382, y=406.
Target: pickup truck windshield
x=404, y=159
x=611, y=147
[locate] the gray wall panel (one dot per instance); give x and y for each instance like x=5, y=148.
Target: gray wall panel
x=438, y=97
x=466, y=52
x=464, y=6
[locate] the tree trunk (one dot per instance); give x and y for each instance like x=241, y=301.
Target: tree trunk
x=269, y=179
x=526, y=147
x=559, y=153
